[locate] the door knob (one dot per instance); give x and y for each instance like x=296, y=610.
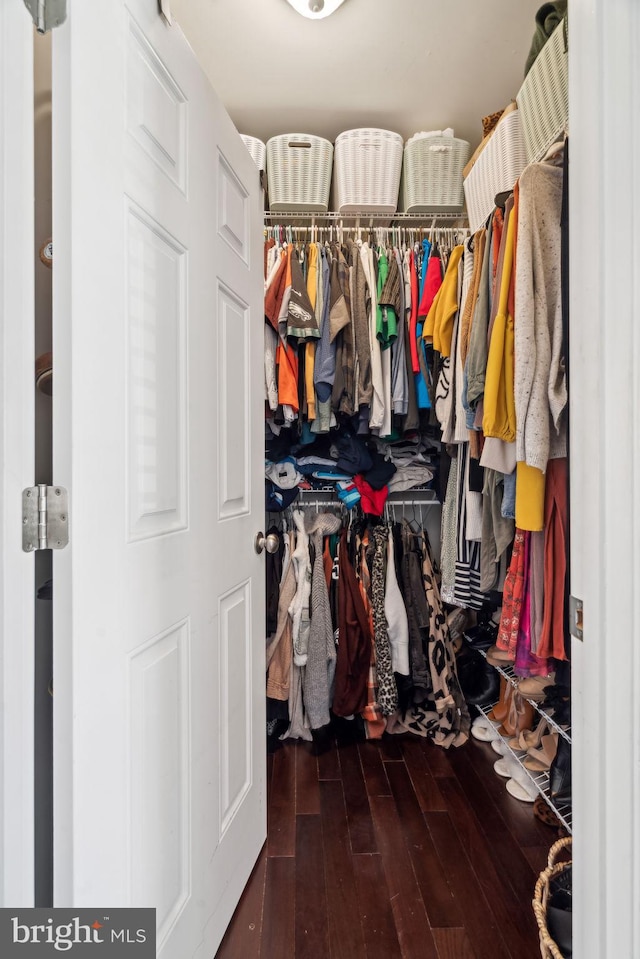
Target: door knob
x=270, y=543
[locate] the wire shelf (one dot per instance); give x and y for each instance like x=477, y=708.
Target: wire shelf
x=507, y=671
x=539, y=779
x=364, y=218
x=349, y=221
x=419, y=497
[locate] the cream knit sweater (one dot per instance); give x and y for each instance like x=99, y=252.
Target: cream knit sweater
x=540, y=381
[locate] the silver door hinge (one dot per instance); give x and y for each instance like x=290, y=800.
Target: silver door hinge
x=47, y=14
x=575, y=617
x=164, y=7
x=45, y=518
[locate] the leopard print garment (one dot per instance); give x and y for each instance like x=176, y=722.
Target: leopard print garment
x=453, y=714
x=387, y=689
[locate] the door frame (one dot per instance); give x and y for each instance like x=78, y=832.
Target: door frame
x=604, y=111
x=17, y=430
x=604, y=69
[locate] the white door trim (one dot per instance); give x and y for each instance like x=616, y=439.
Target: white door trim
x=16, y=454
x=604, y=98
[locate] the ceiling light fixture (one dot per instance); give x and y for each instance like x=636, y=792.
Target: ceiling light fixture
x=315, y=9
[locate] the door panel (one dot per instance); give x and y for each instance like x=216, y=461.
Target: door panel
x=17, y=257
x=159, y=626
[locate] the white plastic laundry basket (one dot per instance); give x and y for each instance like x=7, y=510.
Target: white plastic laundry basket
x=496, y=169
x=257, y=149
x=299, y=173
x=367, y=171
x=543, y=100
x=432, y=175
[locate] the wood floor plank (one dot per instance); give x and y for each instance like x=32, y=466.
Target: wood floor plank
x=244, y=935
x=390, y=748
x=376, y=917
x=523, y=825
x=424, y=783
x=359, y=819
x=504, y=848
x=279, y=909
x=311, y=917
x=441, y=907
x=329, y=764
x=281, y=815
x=373, y=769
x=437, y=759
x=345, y=935
x=307, y=784
x=537, y=855
x=453, y=944
x=510, y=908
x=410, y=917
x=479, y=921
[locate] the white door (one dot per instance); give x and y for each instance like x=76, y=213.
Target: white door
x=17, y=258
x=159, y=781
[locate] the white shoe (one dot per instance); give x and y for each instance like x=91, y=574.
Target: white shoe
x=524, y=780
x=484, y=730
x=518, y=792
x=503, y=768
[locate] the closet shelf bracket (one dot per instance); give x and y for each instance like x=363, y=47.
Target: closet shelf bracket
x=45, y=518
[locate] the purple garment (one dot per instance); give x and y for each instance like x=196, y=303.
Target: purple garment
x=526, y=663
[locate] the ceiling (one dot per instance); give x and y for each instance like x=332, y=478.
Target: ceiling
x=404, y=65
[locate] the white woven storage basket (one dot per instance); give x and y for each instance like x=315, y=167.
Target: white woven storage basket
x=367, y=171
x=257, y=149
x=299, y=173
x=432, y=175
x=543, y=100
x=496, y=169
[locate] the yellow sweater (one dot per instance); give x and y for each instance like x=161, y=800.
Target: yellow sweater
x=499, y=400
x=438, y=325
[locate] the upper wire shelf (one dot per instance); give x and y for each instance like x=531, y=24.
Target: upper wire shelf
x=424, y=221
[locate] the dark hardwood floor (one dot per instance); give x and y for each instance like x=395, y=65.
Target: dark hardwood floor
x=391, y=850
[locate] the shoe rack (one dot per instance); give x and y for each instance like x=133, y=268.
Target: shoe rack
x=506, y=670
x=539, y=779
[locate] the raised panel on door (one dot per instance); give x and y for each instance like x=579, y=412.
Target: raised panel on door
x=156, y=284
x=159, y=631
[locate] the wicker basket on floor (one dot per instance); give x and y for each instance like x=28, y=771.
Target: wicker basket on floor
x=548, y=948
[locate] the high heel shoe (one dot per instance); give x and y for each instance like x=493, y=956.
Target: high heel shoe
x=501, y=709
x=531, y=738
x=520, y=717
x=539, y=760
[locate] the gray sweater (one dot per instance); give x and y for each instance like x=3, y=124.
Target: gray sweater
x=321, y=656
x=540, y=380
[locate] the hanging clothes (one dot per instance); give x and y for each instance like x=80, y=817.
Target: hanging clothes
x=354, y=640
x=317, y=681
x=541, y=389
